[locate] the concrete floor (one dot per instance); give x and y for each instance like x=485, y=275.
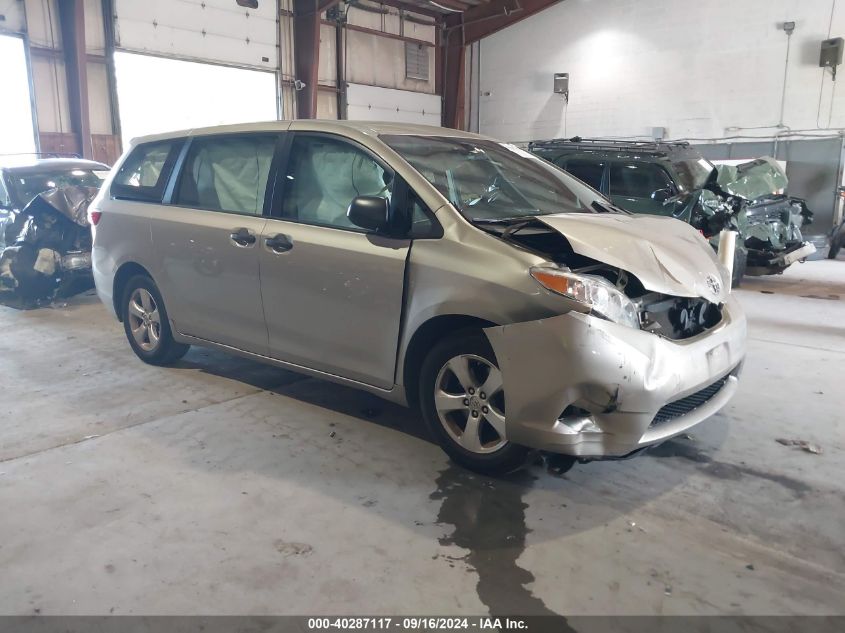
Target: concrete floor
x=225, y=487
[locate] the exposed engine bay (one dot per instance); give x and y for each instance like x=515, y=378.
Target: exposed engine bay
x=671, y=317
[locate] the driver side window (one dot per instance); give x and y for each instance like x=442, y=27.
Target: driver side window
x=324, y=175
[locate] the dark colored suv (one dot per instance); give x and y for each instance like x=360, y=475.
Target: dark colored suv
x=673, y=179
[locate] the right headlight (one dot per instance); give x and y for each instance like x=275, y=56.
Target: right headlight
x=598, y=294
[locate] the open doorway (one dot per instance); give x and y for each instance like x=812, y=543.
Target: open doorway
x=158, y=94
x=17, y=132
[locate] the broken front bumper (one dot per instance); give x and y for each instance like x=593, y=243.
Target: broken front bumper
x=786, y=259
x=580, y=385
x=768, y=263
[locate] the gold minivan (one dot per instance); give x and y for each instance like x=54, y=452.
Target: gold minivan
x=517, y=307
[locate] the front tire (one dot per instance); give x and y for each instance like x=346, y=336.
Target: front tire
x=463, y=403
x=146, y=324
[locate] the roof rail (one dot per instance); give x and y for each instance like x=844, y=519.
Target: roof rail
x=44, y=154
x=602, y=144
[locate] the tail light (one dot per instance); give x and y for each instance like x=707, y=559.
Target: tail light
x=94, y=216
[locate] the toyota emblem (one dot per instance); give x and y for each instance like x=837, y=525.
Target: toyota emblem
x=714, y=284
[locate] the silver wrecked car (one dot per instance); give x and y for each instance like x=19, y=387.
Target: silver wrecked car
x=514, y=305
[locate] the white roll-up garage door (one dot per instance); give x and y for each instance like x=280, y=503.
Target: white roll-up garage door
x=370, y=103
x=203, y=30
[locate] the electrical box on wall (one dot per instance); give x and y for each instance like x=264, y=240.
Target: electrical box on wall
x=831, y=53
x=562, y=84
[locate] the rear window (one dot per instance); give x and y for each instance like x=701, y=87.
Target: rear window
x=144, y=173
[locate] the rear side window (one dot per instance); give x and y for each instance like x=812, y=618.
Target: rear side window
x=586, y=171
x=638, y=180
x=144, y=173
x=227, y=173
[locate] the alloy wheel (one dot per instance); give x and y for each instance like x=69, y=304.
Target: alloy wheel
x=144, y=320
x=470, y=403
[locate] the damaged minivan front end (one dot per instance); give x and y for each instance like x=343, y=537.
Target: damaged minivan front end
x=608, y=331
x=658, y=351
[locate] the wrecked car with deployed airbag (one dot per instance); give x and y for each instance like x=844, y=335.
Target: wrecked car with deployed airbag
x=517, y=307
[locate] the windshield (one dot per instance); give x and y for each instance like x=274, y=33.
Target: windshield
x=486, y=180
x=693, y=173
x=26, y=186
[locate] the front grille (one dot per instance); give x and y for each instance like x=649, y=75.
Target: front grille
x=690, y=403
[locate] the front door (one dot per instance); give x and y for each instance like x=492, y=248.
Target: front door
x=332, y=292
x=207, y=240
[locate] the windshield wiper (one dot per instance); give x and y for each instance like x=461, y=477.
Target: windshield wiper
x=600, y=207
x=505, y=221
x=512, y=225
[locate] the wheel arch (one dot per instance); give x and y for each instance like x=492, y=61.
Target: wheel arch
x=424, y=338
x=121, y=277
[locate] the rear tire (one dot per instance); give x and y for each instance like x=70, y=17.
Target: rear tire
x=462, y=402
x=146, y=324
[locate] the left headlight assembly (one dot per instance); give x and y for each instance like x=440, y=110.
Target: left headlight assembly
x=598, y=294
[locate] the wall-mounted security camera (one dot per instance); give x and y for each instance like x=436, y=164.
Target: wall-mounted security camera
x=561, y=85
x=788, y=27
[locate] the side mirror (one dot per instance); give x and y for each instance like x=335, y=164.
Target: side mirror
x=370, y=212
x=661, y=195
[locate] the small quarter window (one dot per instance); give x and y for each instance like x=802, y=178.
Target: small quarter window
x=144, y=173
x=423, y=223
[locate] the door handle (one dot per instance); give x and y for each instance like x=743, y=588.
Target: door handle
x=279, y=243
x=242, y=238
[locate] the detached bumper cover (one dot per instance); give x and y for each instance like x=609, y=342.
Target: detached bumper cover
x=786, y=259
x=636, y=387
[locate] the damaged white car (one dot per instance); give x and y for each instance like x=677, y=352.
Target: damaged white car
x=518, y=308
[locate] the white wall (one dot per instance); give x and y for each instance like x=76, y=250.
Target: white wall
x=697, y=68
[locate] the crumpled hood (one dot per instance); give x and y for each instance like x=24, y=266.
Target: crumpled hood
x=668, y=256
x=754, y=179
